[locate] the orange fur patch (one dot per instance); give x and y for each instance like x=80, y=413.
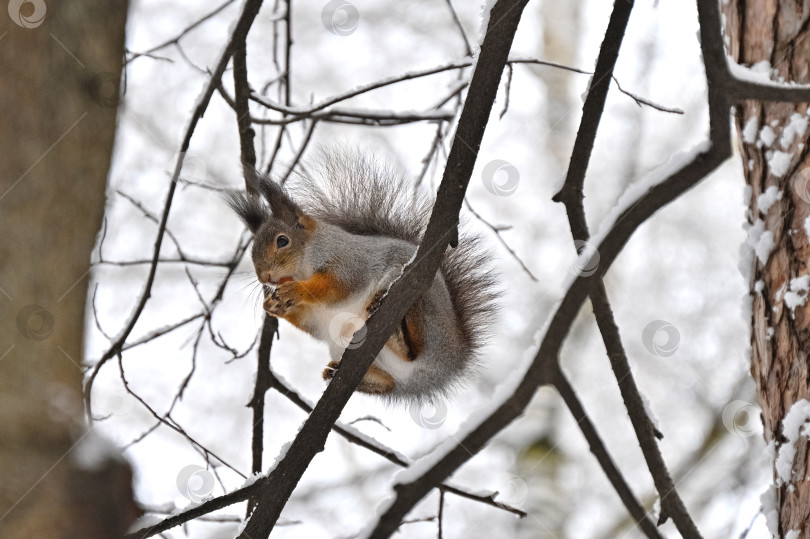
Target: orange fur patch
x=376, y=382
x=408, y=342
x=323, y=287
x=413, y=332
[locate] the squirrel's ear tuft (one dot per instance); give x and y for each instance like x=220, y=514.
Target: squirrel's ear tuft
x=281, y=205
x=248, y=208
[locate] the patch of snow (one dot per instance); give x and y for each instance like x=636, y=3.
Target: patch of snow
x=584, y=95
x=758, y=286
x=760, y=241
x=767, y=136
x=746, y=263
x=792, y=425
x=779, y=163
x=807, y=226
x=796, y=126
x=767, y=502
x=351, y=429
x=650, y=414
x=797, y=294
x=768, y=198
x=792, y=534
x=769, y=334
x=800, y=284
x=486, y=8
x=758, y=73
x=764, y=246
x=750, y=130
x=780, y=293
x=252, y=478
x=793, y=300
x=633, y=194
x=193, y=504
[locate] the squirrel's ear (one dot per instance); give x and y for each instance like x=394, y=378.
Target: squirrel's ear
x=248, y=208
x=281, y=205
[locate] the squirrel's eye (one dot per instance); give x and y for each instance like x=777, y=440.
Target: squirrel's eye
x=282, y=240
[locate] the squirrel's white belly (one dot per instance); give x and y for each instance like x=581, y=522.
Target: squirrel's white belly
x=337, y=324
x=394, y=365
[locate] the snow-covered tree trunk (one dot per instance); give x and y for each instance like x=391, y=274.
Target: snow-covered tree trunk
x=771, y=37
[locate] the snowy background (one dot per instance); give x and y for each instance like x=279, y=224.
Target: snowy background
x=677, y=279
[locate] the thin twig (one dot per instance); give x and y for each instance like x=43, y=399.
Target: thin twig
x=497, y=231
x=249, y=12
x=176, y=39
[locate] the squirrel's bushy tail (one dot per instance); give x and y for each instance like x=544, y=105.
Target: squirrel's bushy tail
x=365, y=196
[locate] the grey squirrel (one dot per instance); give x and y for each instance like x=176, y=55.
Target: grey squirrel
x=331, y=248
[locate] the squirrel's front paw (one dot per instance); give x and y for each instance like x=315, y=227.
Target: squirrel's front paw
x=281, y=300
x=330, y=370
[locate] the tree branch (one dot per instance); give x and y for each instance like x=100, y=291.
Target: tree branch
x=572, y=196
x=249, y=12
x=441, y=229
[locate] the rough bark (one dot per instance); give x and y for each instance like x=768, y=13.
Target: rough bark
x=60, y=64
x=777, y=32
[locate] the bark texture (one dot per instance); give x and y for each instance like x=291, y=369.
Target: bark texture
x=60, y=65
x=773, y=142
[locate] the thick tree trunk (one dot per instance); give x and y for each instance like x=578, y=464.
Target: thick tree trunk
x=774, y=147
x=60, y=63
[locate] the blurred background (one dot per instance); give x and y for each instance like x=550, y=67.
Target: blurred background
x=676, y=289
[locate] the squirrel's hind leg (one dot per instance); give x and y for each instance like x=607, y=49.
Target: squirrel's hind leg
x=408, y=341
x=375, y=382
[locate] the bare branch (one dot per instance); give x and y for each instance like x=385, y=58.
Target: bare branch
x=573, y=197
x=497, y=231
x=249, y=12
x=176, y=39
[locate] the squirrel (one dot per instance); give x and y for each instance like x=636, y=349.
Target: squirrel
x=329, y=249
